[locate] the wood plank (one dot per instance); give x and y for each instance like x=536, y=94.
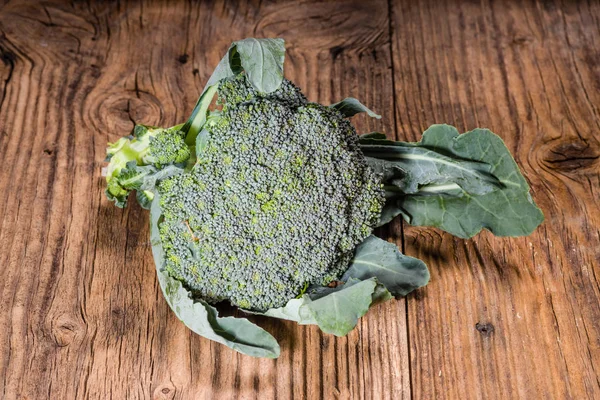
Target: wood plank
x=79, y=300
x=501, y=317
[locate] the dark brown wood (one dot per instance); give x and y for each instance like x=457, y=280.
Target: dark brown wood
x=80, y=306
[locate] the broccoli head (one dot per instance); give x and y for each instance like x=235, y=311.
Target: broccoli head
x=278, y=199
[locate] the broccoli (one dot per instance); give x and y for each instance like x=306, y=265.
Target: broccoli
x=268, y=201
x=278, y=200
x=132, y=159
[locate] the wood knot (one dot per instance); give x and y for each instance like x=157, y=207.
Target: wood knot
x=325, y=343
x=65, y=330
x=119, y=111
x=486, y=329
x=329, y=23
x=49, y=148
x=572, y=155
x=95, y=71
x=336, y=51
x=164, y=392
x=8, y=57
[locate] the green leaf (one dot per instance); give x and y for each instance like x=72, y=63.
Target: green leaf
x=144, y=198
x=389, y=212
x=414, y=166
x=290, y=312
x=351, y=106
x=380, y=295
x=262, y=60
x=376, y=258
x=222, y=71
x=301, y=311
x=114, y=192
x=237, y=333
x=132, y=177
x=151, y=180
x=338, y=312
x=507, y=210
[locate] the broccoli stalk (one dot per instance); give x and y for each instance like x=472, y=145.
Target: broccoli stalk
x=196, y=121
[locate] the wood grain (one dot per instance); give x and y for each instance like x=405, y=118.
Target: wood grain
x=508, y=318
x=82, y=313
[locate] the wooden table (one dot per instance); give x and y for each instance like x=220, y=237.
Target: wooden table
x=81, y=312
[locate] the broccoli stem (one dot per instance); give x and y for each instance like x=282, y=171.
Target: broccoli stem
x=194, y=124
x=392, y=191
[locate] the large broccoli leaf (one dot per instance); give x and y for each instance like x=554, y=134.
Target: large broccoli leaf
x=237, y=333
x=338, y=311
x=446, y=197
x=291, y=312
x=261, y=59
x=376, y=258
x=334, y=310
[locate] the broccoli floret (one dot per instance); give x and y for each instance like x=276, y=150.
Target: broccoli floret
x=278, y=199
x=135, y=157
x=167, y=147
x=237, y=90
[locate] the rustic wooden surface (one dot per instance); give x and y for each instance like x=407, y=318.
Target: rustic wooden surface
x=80, y=309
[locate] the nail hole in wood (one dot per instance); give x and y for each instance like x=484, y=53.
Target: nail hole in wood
x=486, y=329
x=183, y=58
